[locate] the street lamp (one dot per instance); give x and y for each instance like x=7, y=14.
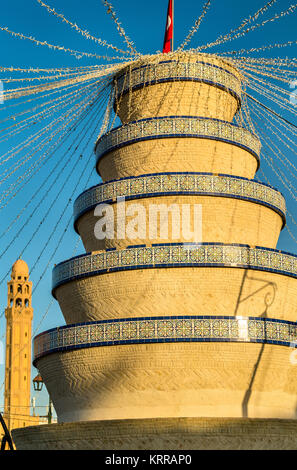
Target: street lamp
x=38, y=384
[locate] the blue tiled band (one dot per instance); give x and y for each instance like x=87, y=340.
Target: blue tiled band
x=175, y=255
x=178, y=127
x=164, y=184
x=178, y=70
x=166, y=329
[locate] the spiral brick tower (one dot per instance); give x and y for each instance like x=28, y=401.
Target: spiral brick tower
x=170, y=344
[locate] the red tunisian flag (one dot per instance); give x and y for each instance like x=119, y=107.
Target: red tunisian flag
x=169, y=30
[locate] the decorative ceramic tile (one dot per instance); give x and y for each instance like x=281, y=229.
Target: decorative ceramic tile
x=166, y=329
x=163, y=184
x=144, y=256
x=146, y=329
x=178, y=126
x=175, y=255
x=177, y=71
x=129, y=330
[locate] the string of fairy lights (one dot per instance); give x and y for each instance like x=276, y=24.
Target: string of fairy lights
x=51, y=117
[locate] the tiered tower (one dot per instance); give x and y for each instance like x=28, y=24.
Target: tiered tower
x=171, y=345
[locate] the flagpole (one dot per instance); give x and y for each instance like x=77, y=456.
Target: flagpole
x=172, y=23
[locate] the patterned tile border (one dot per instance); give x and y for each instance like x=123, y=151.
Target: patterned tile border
x=169, y=71
x=178, y=127
x=175, y=255
x=164, y=184
x=166, y=329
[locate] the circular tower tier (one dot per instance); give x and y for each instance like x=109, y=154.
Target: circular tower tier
x=183, y=84
x=177, y=144
x=170, y=368
x=179, y=207
x=162, y=434
x=208, y=279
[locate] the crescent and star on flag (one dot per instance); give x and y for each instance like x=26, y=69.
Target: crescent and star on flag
x=168, y=22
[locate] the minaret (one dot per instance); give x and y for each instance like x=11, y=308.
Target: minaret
x=19, y=315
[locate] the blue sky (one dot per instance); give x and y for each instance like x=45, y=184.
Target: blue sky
x=144, y=22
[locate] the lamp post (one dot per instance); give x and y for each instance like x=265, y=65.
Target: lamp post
x=38, y=384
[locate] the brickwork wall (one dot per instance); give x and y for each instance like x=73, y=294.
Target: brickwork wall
x=177, y=99
x=179, y=291
x=224, y=220
x=162, y=434
x=177, y=154
x=172, y=380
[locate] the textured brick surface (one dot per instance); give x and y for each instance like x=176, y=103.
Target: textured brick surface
x=177, y=154
x=224, y=220
x=162, y=434
x=180, y=97
x=177, y=99
x=179, y=291
x=171, y=380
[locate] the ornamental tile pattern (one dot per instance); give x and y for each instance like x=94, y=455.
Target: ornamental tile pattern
x=169, y=71
x=166, y=329
x=175, y=255
x=162, y=184
x=176, y=127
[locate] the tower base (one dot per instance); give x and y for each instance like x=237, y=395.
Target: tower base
x=162, y=434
